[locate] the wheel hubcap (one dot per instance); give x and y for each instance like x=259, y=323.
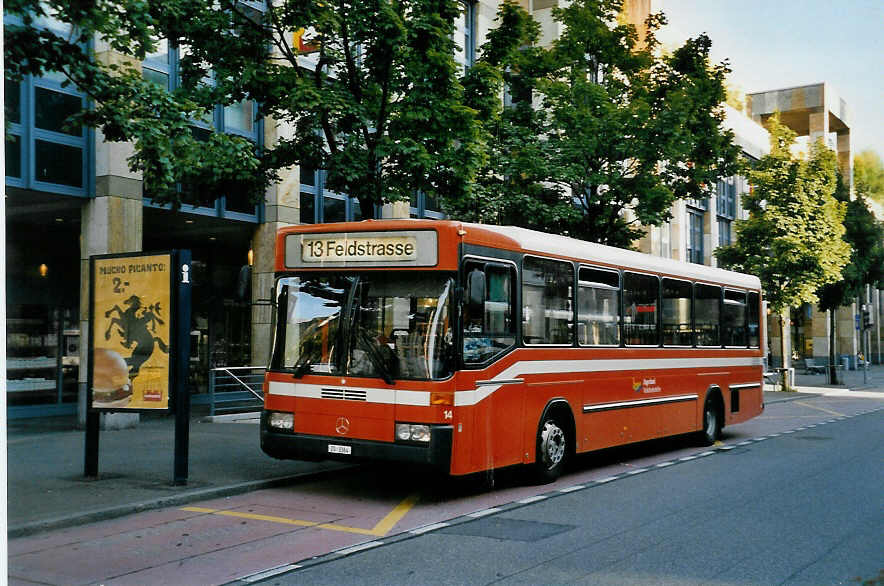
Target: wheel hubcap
x=552, y=444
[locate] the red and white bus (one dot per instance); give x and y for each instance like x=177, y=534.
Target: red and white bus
x=472, y=347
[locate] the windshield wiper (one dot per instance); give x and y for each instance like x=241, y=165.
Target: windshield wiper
x=374, y=354
x=303, y=365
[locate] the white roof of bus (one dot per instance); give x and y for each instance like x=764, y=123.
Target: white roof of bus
x=531, y=241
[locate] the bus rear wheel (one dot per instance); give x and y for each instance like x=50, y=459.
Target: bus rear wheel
x=712, y=424
x=552, y=450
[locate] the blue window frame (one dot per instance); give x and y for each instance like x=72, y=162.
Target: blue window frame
x=695, y=235
x=43, y=152
x=240, y=119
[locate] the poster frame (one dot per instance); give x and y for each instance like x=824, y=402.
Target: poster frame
x=173, y=332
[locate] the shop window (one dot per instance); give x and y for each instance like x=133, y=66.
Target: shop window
x=598, y=307
x=640, y=304
x=707, y=307
x=547, y=313
x=677, y=309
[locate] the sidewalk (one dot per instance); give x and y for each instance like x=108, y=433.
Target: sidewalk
x=47, y=490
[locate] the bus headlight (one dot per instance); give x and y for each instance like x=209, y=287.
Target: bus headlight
x=283, y=421
x=413, y=432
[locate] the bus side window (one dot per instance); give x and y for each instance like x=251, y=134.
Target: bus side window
x=489, y=328
x=707, y=316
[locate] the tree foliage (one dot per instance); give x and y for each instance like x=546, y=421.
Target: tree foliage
x=792, y=239
x=865, y=235
x=381, y=111
x=601, y=135
x=868, y=175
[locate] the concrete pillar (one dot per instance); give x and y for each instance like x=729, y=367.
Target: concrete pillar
x=396, y=210
x=678, y=233
x=847, y=341
x=845, y=158
x=109, y=223
x=819, y=330
x=819, y=125
x=710, y=233
x=281, y=209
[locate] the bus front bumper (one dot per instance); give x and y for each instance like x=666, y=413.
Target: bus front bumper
x=295, y=446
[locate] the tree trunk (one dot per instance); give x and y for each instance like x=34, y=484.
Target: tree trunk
x=833, y=374
x=785, y=351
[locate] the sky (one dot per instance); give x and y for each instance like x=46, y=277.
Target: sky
x=775, y=44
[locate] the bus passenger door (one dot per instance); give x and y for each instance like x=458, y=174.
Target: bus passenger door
x=489, y=333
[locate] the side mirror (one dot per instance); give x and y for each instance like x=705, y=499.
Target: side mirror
x=476, y=295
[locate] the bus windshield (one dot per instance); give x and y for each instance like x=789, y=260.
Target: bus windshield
x=374, y=324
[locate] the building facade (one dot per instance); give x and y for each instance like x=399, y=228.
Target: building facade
x=70, y=194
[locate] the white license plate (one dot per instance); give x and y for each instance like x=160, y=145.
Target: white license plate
x=333, y=449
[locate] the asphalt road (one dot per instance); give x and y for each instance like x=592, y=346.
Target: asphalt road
x=804, y=507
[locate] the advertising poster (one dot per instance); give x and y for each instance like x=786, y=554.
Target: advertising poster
x=131, y=332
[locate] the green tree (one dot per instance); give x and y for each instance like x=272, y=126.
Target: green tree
x=792, y=239
x=600, y=135
x=382, y=111
x=868, y=175
x=865, y=235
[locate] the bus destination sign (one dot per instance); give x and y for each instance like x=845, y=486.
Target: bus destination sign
x=412, y=248
x=353, y=248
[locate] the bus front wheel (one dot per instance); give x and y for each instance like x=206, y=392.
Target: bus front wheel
x=552, y=449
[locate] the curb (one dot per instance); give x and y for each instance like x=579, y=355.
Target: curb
x=93, y=516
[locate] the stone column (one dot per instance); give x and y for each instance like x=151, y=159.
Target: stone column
x=678, y=232
x=845, y=158
x=110, y=222
x=710, y=232
x=396, y=210
x=819, y=329
x=281, y=209
x=819, y=125
x=846, y=341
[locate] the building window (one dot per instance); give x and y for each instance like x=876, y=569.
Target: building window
x=695, y=236
x=161, y=68
x=726, y=209
x=465, y=35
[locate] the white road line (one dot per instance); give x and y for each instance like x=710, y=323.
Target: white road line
x=268, y=573
x=478, y=514
x=427, y=528
x=533, y=499
x=360, y=547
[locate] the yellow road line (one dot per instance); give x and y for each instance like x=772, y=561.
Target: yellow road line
x=387, y=523
x=824, y=410
x=382, y=528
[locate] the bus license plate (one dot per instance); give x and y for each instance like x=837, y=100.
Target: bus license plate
x=333, y=449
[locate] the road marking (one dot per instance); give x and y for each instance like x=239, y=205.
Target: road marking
x=478, y=514
x=572, y=488
x=823, y=409
x=268, y=573
x=383, y=526
x=533, y=499
x=360, y=547
x=428, y=528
